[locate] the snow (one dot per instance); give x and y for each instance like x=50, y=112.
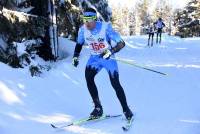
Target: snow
x=163, y=104
x=21, y=47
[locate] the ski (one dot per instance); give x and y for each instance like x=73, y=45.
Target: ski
x=128, y=124
x=85, y=120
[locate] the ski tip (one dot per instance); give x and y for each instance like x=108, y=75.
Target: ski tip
x=53, y=126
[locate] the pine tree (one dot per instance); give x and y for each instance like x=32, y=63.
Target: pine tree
x=8, y=3
x=187, y=20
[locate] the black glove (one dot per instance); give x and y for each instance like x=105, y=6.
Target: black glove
x=75, y=61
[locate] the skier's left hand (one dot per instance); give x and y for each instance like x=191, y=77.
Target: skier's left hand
x=75, y=61
x=106, y=54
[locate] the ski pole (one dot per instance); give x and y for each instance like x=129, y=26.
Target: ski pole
x=139, y=66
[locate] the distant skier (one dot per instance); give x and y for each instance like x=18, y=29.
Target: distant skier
x=151, y=32
x=159, y=24
x=97, y=35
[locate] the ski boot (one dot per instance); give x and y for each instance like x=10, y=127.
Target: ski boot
x=128, y=114
x=97, y=112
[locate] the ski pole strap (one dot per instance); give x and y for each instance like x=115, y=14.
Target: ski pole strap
x=139, y=66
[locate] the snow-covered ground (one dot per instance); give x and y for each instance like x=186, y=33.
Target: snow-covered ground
x=163, y=104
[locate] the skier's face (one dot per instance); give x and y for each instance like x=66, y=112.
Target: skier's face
x=90, y=25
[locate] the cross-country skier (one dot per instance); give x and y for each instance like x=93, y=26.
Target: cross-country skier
x=151, y=35
x=159, y=24
x=98, y=36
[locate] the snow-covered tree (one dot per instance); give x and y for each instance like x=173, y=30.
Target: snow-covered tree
x=132, y=22
x=123, y=20
x=25, y=20
x=187, y=20
x=143, y=14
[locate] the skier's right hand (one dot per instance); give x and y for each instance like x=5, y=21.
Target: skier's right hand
x=106, y=54
x=75, y=61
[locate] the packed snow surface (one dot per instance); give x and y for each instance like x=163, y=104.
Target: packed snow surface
x=162, y=104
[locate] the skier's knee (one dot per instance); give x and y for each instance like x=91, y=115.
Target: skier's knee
x=114, y=78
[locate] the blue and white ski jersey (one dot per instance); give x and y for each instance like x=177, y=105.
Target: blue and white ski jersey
x=98, y=40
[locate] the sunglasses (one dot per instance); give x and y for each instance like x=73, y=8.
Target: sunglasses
x=89, y=18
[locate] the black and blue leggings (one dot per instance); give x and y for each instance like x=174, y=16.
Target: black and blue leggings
x=94, y=65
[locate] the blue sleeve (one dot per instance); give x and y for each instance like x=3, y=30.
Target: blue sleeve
x=111, y=34
x=81, y=39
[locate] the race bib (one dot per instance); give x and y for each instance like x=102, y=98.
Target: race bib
x=97, y=47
